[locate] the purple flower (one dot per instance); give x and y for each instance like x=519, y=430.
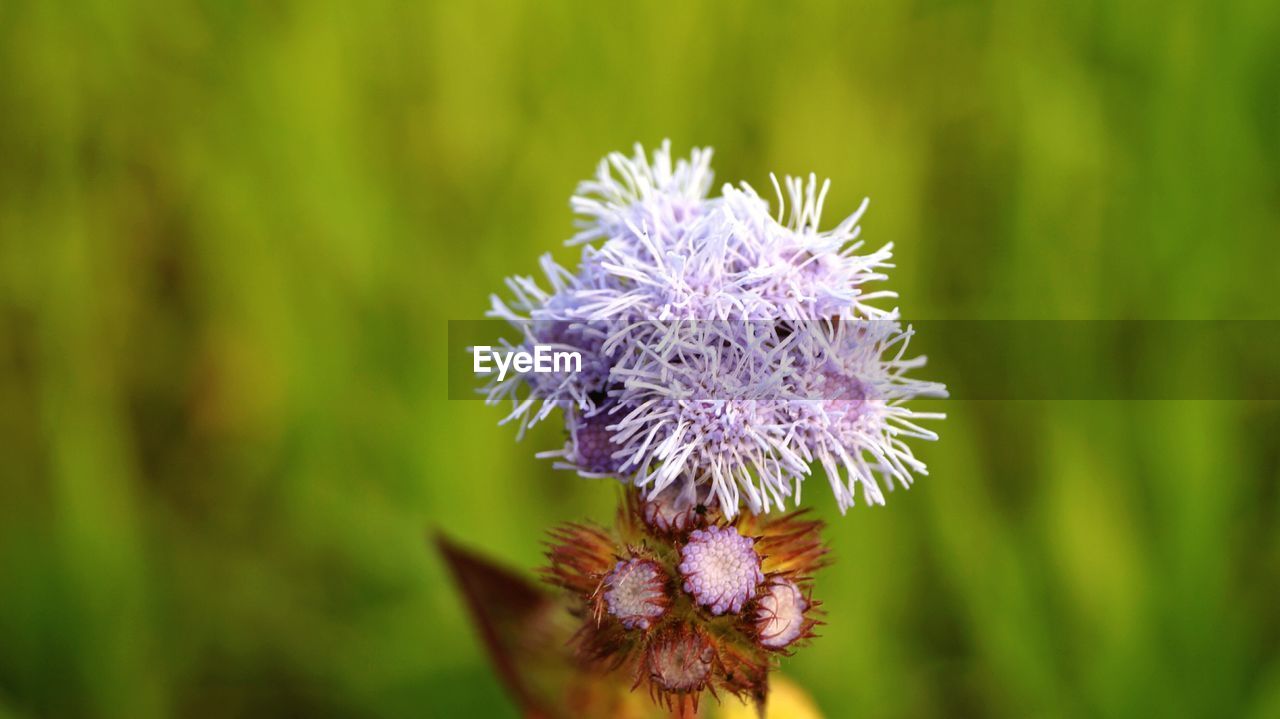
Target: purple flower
x=590, y=448
x=720, y=568
x=703, y=404
x=725, y=349
x=855, y=421
x=631, y=192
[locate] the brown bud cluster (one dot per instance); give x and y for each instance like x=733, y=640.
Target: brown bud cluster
x=684, y=599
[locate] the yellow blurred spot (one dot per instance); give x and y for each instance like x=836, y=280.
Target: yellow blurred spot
x=786, y=701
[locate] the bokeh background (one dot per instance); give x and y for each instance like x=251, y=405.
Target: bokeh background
x=231, y=235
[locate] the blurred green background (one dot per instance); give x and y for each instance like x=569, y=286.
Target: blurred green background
x=231, y=235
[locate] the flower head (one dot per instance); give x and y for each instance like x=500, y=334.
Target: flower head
x=727, y=351
x=688, y=609
x=858, y=421
x=675, y=509
x=632, y=192
x=590, y=448
x=724, y=345
x=680, y=661
x=720, y=568
x=780, y=613
x=635, y=593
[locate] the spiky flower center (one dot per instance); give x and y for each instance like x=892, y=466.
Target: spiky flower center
x=720, y=568
x=635, y=593
x=780, y=614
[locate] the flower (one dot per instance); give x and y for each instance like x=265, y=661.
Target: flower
x=590, y=448
x=635, y=593
x=727, y=351
x=708, y=411
x=674, y=510
x=856, y=419
x=642, y=194
x=680, y=661
x=720, y=568
x=688, y=609
x=779, y=615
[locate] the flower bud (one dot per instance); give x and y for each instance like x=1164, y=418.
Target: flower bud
x=721, y=568
x=779, y=615
x=680, y=661
x=635, y=593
